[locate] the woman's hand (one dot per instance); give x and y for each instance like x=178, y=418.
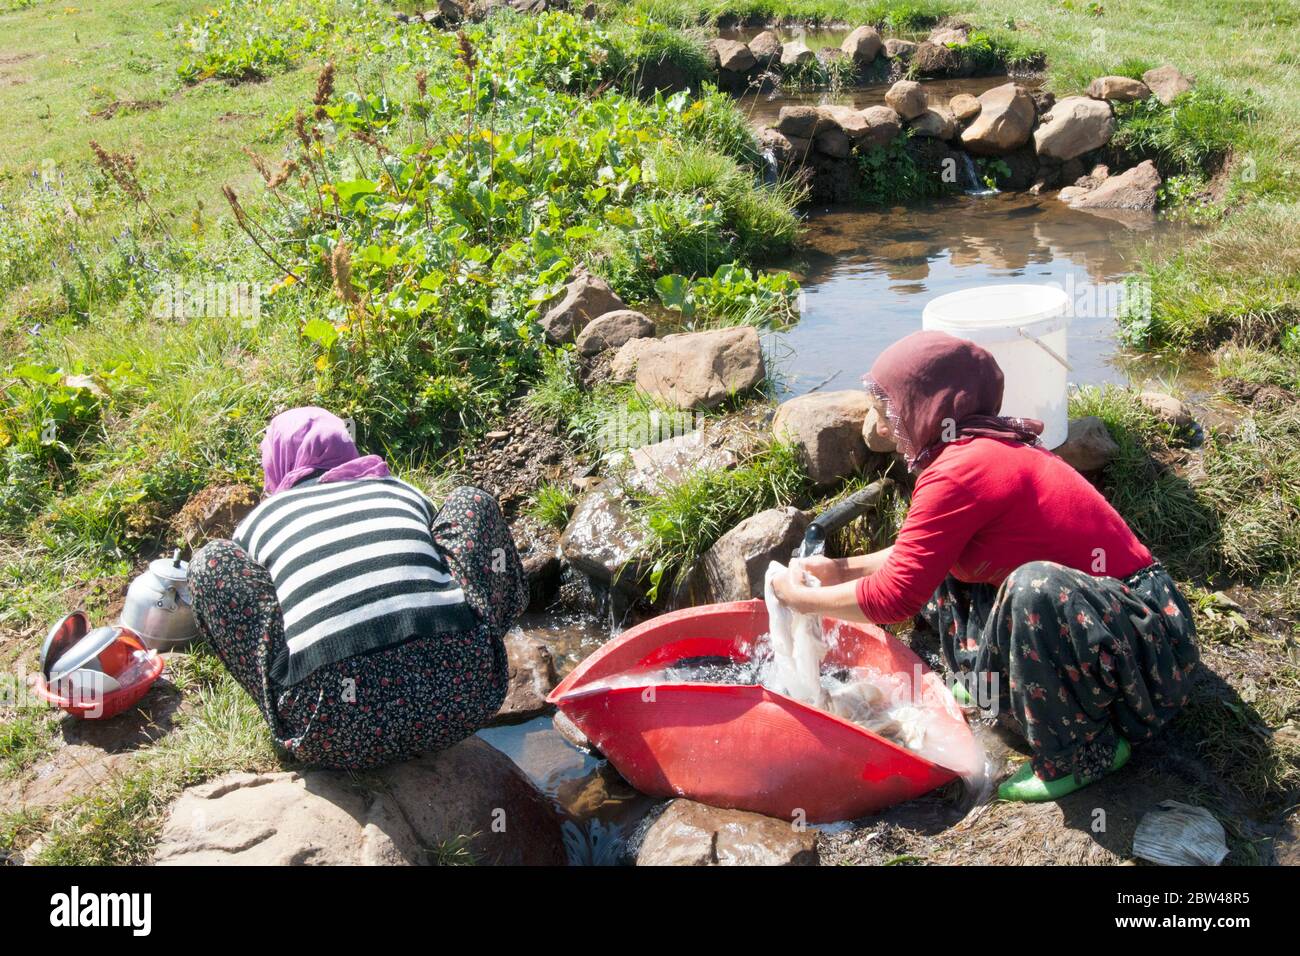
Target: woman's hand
x=790, y=589
x=826, y=570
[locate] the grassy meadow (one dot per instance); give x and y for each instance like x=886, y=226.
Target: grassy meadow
x=404, y=213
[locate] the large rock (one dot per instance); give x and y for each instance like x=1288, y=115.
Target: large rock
x=935, y=59
x=863, y=45
x=1005, y=120
x=701, y=369
x=612, y=330
x=871, y=434
x=1074, y=126
x=883, y=126
x=1167, y=82
x=833, y=143
x=907, y=99
x=649, y=469
x=623, y=366
x=766, y=48
x=796, y=53
x=603, y=539
x=1137, y=188
x=937, y=122
x=1088, y=446
x=733, y=569
x=1118, y=89
x=852, y=123
x=827, y=428
x=896, y=49
x=692, y=834
x=945, y=35
x=585, y=298
x=802, y=122
x=734, y=57
x=402, y=814
x=532, y=677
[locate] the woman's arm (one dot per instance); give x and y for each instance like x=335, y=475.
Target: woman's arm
x=830, y=571
x=837, y=601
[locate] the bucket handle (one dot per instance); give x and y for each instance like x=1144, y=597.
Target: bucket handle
x=1046, y=348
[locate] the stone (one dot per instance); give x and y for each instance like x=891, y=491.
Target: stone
x=734, y=57
x=603, y=539
x=531, y=677
x=1118, y=89
x=651, y=468
x=401, y=814
x=964, y=106
x=1088, y=446
x=542, y=568
x=585, y=298
x=734, y=568
x=907, y=99
x=827, y=428
x=946, y=35
x=1137, y=188
x=896, y=49
x=936, y=122
x=693, y=834
x=834, y=143
x=796, y=53
x=214, y=513
x=701, y=369
x=1171, y=411
x=863, y=44
x=1075, y=125
x=1167, y=82
x=883, y=126
x=612, y=330
x=803, y=122
x=935, y=59
x=1005, y=120
x=623, y=366
x=766, y=48
x=849, y=121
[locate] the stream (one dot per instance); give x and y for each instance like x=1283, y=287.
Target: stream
x=866, y=274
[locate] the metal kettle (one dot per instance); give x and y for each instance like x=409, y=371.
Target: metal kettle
x=158, y=606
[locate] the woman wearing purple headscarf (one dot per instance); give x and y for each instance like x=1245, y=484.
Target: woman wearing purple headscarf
x=366, y=624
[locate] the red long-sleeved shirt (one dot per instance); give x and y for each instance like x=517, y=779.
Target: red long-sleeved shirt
x=983, y=508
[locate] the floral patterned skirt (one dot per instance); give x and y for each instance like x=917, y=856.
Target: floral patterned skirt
x=419, y=696
x=1077, y=659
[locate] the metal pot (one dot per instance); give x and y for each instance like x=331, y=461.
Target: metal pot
x=158, y=605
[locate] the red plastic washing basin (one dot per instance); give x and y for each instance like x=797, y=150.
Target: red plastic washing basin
x=743, y=746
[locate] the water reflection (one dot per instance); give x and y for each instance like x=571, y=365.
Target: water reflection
x=867, y=274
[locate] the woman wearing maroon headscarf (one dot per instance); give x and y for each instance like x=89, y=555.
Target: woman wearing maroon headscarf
x=1033, y=581
x=366, y=623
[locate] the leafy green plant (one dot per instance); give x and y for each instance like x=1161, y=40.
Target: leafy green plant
x=891, y=174
x=732, y=295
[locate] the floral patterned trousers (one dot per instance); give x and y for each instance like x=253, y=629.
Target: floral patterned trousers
x=1077, y=659
x=418, y=696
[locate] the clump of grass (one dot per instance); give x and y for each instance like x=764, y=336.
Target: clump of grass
x=552, y=504
x=653, y=52
x=1194, y=133
x=685, y=519
x=1162, y=508
x=25, y=737
x=1260, y=366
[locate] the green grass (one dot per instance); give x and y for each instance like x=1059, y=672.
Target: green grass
x=552, y=504
x=686, y=518
x=900, y=16
x=25, y=737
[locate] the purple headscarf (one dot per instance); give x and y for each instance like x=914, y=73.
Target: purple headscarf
x=301, y=442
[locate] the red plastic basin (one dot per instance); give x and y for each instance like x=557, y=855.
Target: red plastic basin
x=114, y=659
x=743, y=746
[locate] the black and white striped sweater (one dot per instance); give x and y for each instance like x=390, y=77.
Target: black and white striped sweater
x=355, y=570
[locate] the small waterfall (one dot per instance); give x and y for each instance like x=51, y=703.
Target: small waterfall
x=974, y=186
x=769, y=167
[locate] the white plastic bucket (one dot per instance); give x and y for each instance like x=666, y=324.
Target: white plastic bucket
x=1025, y=327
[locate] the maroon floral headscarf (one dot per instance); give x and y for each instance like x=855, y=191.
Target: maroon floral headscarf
x=937, y=388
